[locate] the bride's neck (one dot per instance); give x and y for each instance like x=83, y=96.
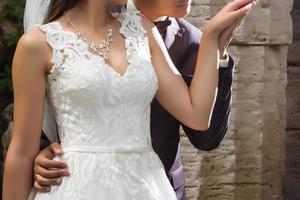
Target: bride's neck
x=92, y=14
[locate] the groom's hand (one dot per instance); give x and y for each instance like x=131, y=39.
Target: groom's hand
x=227, y=35
x=47, y=171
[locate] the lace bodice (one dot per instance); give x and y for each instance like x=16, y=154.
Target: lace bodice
x=94, y=104
x=103, y=118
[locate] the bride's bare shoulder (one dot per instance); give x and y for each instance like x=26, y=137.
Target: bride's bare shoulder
x=34, y=39
x=32, y=50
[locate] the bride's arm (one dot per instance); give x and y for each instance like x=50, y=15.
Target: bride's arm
x=193, y=106
x=29, y=85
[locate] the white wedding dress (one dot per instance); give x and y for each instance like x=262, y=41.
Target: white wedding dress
x=103, y=118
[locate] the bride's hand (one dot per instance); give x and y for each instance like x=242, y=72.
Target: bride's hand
x=229, y=16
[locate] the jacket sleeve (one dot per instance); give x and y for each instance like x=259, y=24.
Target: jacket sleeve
x=212, y=137
x=44, y=141
x=49, y=131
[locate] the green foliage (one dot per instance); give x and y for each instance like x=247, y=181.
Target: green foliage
x=11, y=18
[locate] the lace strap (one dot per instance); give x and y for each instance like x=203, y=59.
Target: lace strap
x=131, y=22
x=56, y=37
x=58, y=40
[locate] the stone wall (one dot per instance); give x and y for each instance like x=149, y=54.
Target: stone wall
x=249, y=164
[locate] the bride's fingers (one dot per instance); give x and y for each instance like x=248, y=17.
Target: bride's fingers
x=224, y=19
x=238, y=4
x=227, y=19
x=235, y=26
x=241, y=13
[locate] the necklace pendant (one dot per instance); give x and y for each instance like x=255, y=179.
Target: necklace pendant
x=102, y=49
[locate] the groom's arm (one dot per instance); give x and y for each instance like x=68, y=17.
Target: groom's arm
x=212, y=137
x=49, y=132
x=50, y=171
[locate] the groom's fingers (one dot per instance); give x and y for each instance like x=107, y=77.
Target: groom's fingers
x=47, y=163
x=41, y=188
x=230, y=32
x=47, y=182
x=56, y=148
x=53, y=173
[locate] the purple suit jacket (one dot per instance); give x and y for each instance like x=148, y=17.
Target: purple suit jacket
x=182, y=41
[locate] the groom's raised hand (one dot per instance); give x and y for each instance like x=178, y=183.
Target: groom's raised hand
x=47, y=171
x=227, y=35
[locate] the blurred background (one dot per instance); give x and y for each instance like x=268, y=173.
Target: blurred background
x=259, y=158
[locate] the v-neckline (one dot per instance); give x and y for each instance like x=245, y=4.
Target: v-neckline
x=105, y=64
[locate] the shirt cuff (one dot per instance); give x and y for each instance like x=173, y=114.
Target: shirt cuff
x=224, y=62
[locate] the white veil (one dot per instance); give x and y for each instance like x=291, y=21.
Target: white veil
x=36, y=12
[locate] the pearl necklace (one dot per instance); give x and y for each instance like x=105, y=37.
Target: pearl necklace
x=102, y=49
